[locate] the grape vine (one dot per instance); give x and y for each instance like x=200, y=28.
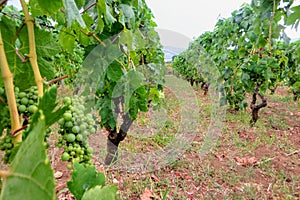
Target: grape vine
x=247, y=50
x=45, y=43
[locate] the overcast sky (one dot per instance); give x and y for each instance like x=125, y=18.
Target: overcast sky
x=193, y=17
x=188, y=19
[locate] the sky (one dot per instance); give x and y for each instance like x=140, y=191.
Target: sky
x=190, y=18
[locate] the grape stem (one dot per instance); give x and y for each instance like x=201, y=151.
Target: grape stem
x=13, y=133
x=7, y=77
x=23, y=60
x=2, y=101
x=56, y=80
x=32, y=49
x=89, y=7
x=3, y=2
x=91, y=34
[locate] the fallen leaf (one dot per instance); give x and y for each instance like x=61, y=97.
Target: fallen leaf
x=246, y=161
x=147, y=195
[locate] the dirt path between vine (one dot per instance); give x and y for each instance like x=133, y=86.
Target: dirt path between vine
x=260, y=162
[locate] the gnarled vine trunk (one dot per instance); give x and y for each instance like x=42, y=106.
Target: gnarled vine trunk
x=255, y=108
x=115, y=137
x=205, y=87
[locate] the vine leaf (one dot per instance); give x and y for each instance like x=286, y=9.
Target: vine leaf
x=294, y=17
x=48, y=104
x=72, y=13
x=48, y=8
x=127, y=14
x=31, y=176
x=84, y=178
x=101, y=8
x=46, y=49
x=102, y=193
x=108, y=16
x=80, y=3
x=114, y=71
x=67, y=41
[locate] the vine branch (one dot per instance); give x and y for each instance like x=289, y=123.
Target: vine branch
x=271, y=24
x=7, y=77
x=90, y=34
x=23, y=60
x=56, y=80
x=3, y=2
x=89, y=7
x=13, y=133
x=32, y=49
x=2, y=101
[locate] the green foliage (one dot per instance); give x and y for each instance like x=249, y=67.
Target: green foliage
x=40, y=7
x=102, y=193
x=15, y=37
x=292, y=71
x=294, y=18
x=246, y=53
x=72, y=13
x=84, y=182
x=48, y=104
x=127, y=74
x=30, y=173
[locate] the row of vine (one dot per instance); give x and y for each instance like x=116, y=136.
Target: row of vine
x=251, y=51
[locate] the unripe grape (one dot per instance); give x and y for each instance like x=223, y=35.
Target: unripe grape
x=79, y=137
x=67, y=116
x=69, y=124
x=71, y=137
x=32, y=108
x=75, y=129
x=22, y=94
x=22, y=108
x=2, y=91
x=65, y=156
x=61, y=121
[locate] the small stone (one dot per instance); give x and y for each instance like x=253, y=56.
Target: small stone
x=58, y=174
x=115, y=181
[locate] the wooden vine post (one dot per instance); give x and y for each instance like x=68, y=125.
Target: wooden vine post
x=7, y=77
x=32, y=49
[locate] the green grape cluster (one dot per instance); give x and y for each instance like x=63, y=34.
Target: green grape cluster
x=4, y=114
x=27, y=100
x=27, y=104
x=6, y=144
x=4, y=118
x=75, y=128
